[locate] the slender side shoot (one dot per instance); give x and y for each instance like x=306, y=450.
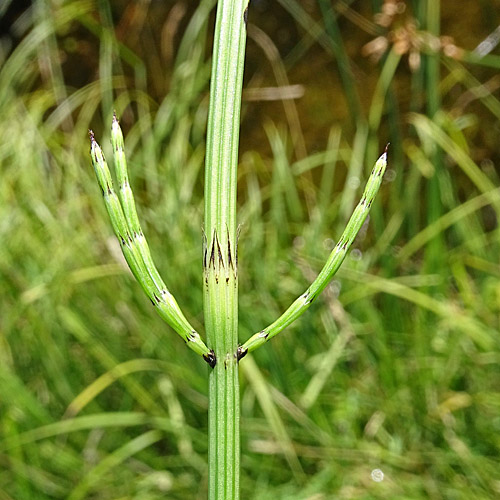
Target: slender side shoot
x=332, y=264
x=122, y=212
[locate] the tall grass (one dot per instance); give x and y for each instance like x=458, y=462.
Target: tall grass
x=394, y=368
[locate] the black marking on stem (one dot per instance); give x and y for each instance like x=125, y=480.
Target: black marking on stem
x=191, y=336
x=263, y=334
x=245, y=15
x=157, y=299
x=219, y=251
x=241, y=352
x=229, y=258
x=238, y=232
x=205, y=254
x=308, y=299
x=152, y=302
x=212, y=256
x=210, y=358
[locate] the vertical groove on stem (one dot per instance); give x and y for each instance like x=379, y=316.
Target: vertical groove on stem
x=220, y=273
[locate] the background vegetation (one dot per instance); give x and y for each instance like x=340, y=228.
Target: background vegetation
x=395, y=368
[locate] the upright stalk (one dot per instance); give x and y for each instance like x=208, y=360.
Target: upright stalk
x=220, y=273
x=219, y=259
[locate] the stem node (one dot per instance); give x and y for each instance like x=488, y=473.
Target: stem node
x=210, y=358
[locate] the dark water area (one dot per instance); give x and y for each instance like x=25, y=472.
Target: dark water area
x=153, y=30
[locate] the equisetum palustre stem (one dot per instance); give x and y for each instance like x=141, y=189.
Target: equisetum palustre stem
x=123, y=215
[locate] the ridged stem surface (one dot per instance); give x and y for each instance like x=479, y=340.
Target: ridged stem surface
x=219, y=259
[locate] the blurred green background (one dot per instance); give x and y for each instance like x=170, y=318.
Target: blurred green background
x=395, y=367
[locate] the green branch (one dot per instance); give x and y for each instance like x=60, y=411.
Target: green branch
x=332, y=264
x=123, y=215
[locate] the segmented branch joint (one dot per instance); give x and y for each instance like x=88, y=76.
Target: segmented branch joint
x=241, y=352
x=210, y=358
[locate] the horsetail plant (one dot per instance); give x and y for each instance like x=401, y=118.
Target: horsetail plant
x=220, y=274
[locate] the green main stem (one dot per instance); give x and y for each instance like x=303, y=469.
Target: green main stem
x=219, y=259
